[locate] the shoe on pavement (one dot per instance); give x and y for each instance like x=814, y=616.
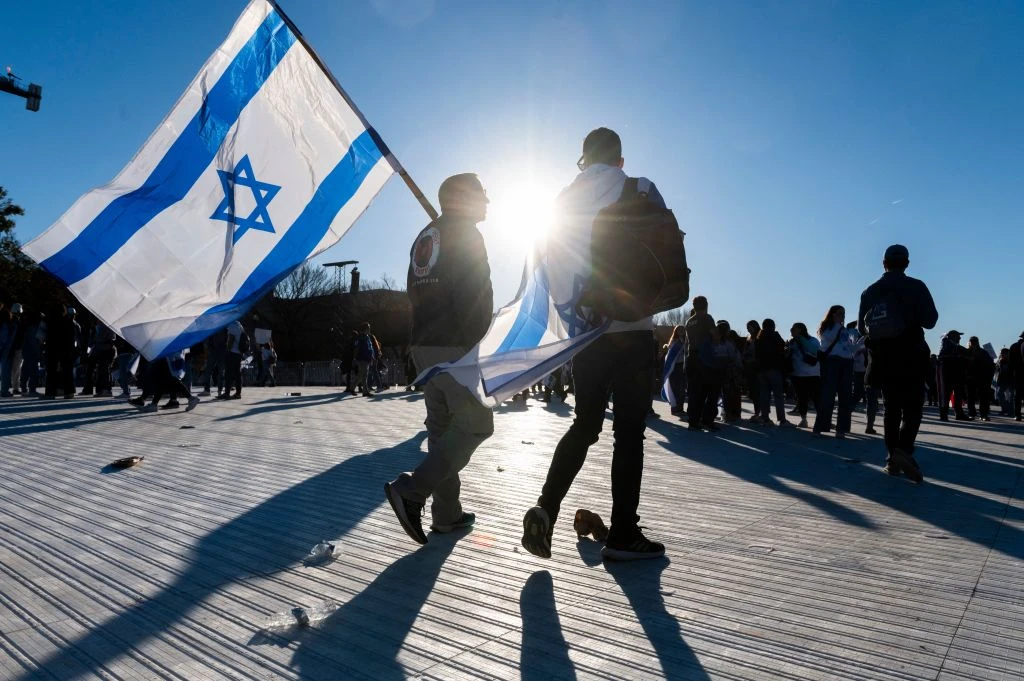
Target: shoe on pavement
x=409, y=513
x=137, y=402
x=537, y=532
x=695, y=427
x=907, y=463
x=148, y=408
x=785, y=423
x=840, y=435
x=892, y=469
x=756, y=418
x=173, y=404
x=205, y=393
x=464, y=521
x=870, y=430
x=802, y=424
x=633, y=546
x=192, y=403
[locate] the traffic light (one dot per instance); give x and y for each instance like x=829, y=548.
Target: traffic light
x=35, y=93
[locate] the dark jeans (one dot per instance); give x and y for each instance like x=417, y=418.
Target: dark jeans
x=753, y=387
x=951, y=385
x=620, y=365
x=872, y=411
x=836, y=378
x=214, y=375
x=233, y=373
x=979, y=391
x=904, y=406
x=166, y=383
x=808, y=389
x=703, y=390
x=771, y=383
x=858, y=387
x=60, y=368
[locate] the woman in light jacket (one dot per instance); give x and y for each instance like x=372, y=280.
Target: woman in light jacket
x=806, y=374
x=836, y=372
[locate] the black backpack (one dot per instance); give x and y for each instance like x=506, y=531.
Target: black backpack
x=638, y=259
x=886, y=319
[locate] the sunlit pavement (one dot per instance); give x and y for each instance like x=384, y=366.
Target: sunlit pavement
x=788, y=557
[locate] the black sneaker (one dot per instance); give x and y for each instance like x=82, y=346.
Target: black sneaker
x=464, y=521
x=173, y=404
x=891, y=469
x=907, y=463
x=409, y=513
x=137, y=402
x=634, y=546
x=537, y=532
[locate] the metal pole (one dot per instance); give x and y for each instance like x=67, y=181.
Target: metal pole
x=395, y=164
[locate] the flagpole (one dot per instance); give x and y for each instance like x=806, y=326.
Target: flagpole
x=395, y=164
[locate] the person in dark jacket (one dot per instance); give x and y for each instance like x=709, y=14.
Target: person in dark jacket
x=980, y=370
x=952, y=377
x=770, y=351
x=449, y=283
x=700, y=382
x=1017, y=372
x=32, y=350
x=61, y=340
x=899, y=356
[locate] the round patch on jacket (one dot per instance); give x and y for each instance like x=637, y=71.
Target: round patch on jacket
x=428, y=249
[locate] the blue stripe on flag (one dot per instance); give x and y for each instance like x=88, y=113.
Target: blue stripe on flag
x=532, y=320
x=295, y=246
x=184, y=162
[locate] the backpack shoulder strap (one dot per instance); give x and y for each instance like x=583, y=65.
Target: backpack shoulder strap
x=630, y=190
x=643, y=186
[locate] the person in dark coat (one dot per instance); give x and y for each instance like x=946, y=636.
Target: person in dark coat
x=952, y=377
x=899, y=354
x=980, y=370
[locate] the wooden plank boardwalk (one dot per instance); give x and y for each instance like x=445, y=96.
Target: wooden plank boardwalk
x=788, y=557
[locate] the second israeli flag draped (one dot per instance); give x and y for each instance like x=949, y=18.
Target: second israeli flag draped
x=261, y=164
x=543, y=328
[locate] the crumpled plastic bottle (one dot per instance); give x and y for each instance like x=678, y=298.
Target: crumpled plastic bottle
x=322, y=551
x=301, y=616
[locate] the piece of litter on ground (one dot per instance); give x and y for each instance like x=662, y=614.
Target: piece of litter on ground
x=186, y=427
x=127, y=462
x=295, y=394
x=302, y=617
x=298, y=422
x=666, y=592
x=527, y=442
x=515, y=549
x=501, y=469
x=189, y=444
x=760, y=547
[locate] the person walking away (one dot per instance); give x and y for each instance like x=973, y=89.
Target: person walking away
x=952, y=377
x=750, y=366
x=269, y=364
x=60, y=353
x=894, y=312
x=32, y=350
x=732, y=387
x=1017, y=366
x=676, y=371
x=860, y=365
x=699, y=326
x=836, y=373
x=449, y=284
x=216, y=358
x=365, y=358
x=348, y=361
x=235, y=346
x=806, y=376
x=101, y=357
x=619, y=363
x=12, y=352
x=770, y=351
x=1004, y=383
x=980, y=370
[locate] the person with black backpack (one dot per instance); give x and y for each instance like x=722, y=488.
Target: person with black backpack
x=893, y=314
x=627, y=225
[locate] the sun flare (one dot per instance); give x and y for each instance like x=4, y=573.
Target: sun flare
x=524, y=210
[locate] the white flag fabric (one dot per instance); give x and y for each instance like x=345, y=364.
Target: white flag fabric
x=261, y=164
x=542, y=328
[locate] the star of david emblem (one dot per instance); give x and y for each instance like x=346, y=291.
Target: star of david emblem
x=262, y=193
x=568, y=311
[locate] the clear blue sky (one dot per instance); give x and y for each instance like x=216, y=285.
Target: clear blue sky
x=795, y=140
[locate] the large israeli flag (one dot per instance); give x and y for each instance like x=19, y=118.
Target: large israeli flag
x=261, y=164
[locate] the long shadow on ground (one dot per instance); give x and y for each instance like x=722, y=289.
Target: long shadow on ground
x=795, y=460
x=274, y=536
